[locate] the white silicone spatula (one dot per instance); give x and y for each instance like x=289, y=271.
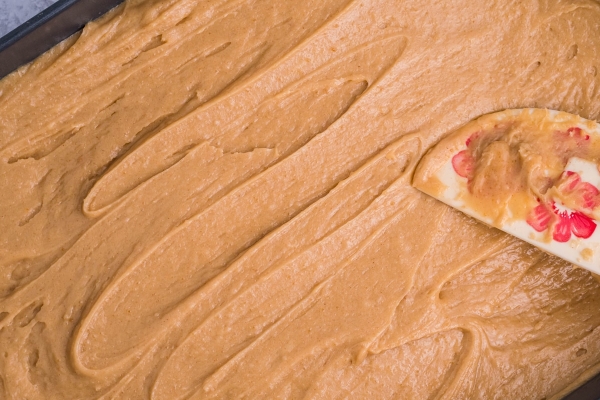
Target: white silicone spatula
x=532, y=173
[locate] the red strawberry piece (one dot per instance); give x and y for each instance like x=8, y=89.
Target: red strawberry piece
x=574, y=131
x=562, y=230
x=589, y=195
x=582, y=225
x=572, y=180
x=464, y=164
x=578, y=135
x=539, y=218
x=472, y=137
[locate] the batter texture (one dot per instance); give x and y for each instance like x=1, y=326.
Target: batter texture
x=211, y=199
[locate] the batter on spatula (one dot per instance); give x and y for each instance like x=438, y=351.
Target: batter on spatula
x=531, y=172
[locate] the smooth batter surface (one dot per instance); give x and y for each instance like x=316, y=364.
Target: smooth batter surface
x=211, y=199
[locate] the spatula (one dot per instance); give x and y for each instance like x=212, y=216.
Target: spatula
x=532, y=173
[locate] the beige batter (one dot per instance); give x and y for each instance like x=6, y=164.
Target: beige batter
x=211, y=199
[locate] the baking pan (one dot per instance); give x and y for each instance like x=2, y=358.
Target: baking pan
x=66, y=17
x=48, y=28
x=588, y=391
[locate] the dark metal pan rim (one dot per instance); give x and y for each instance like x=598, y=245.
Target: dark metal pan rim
x=48, y=28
